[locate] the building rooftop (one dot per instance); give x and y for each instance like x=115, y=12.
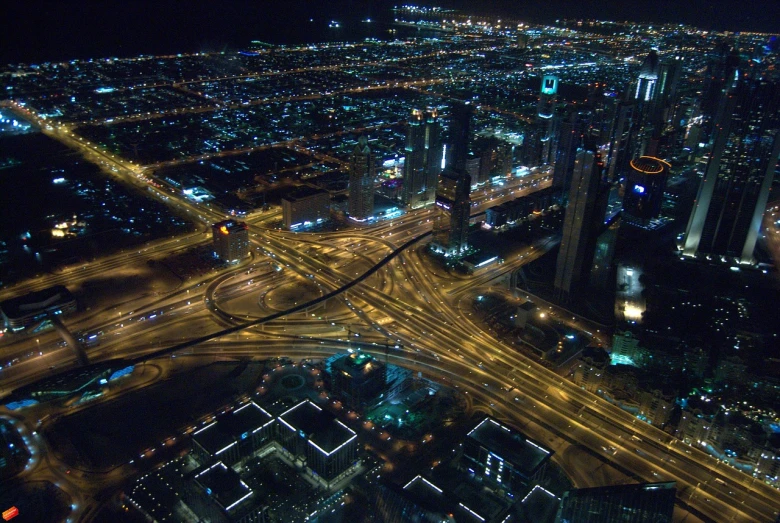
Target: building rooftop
x=213, y=438
x=430, y=496
x=247, y=419
x=322, y=428
x=527, y=306
x=638, y=502
x=539, y=505
x=649, y=165
x=357, y=361
x=227, y=226
x=69, y=382
x=36, y=301
x=239, y=424
x=525, y=455
x=224, y=486
x=301, y=193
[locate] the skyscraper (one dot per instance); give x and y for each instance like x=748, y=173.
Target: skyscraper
x=450, y=231
x=540, y=137
x=648, y=78
x=645, y=185
x=231, y=240
x=733, y=193
x=621, y=151
x=422, y=164
x=581, y=224
x=570, y=139
x=362, y=172
x=451, y=226
x=547, y=120
x=721, y=75
x=459, y=136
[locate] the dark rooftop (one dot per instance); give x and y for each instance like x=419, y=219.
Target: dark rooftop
x=213, y=438
x=359, y=361
x=36, y=301
x=539, y=505
x=321, y=427
x=248, y=418
x=430, y=496
x=527, y=306
x=302, y=192
x=224, y=485
x=525, y=455
x=232, y=427
x=638, y=502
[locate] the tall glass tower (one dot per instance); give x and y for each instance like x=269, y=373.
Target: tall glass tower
x=579, y=225
x=422, y=164
x=362, y=171
x=734, y=190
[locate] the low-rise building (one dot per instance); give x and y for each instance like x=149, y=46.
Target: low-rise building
x=33, y=308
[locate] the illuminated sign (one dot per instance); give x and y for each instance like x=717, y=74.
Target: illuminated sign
x=550, y=85
x=11, y=513
x=223, y=229
x=639, y=189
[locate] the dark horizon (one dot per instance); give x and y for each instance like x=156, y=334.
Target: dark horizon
x=41, y=30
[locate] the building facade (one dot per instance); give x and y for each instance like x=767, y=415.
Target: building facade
x=451, y=226
x=579, y=225
x=231, y=240
x=644, y=191
x=362, y=172
x=422, y=163
x=358, y=378
x=735, y=188
x=305, y=207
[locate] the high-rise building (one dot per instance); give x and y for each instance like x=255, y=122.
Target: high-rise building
x=451, y=227
x=602, y=270
x=621, y=150
x=231, y=240
x=648, y=78
x=581, y=224
x=733, y=193
x=547, y=120
x=721, y=75
x=304, y=207
x=450, y=231
x=666, y=89
x=569, y=140
x=531, y=150
x=547, y=96
x=459, y=136
x=640, y=503
x=422, y=164
x=644, y=189
x=362, y=172
x=540, y=138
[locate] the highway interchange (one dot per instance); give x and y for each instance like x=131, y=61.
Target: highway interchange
x=419, y=310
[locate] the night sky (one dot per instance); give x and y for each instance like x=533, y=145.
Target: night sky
x=37, y=30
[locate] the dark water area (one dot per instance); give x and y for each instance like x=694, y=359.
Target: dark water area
x=42, y=184
x=60, y=31
x=35, y=31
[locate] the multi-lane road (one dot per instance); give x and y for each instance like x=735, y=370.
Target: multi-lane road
x=413, y=306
